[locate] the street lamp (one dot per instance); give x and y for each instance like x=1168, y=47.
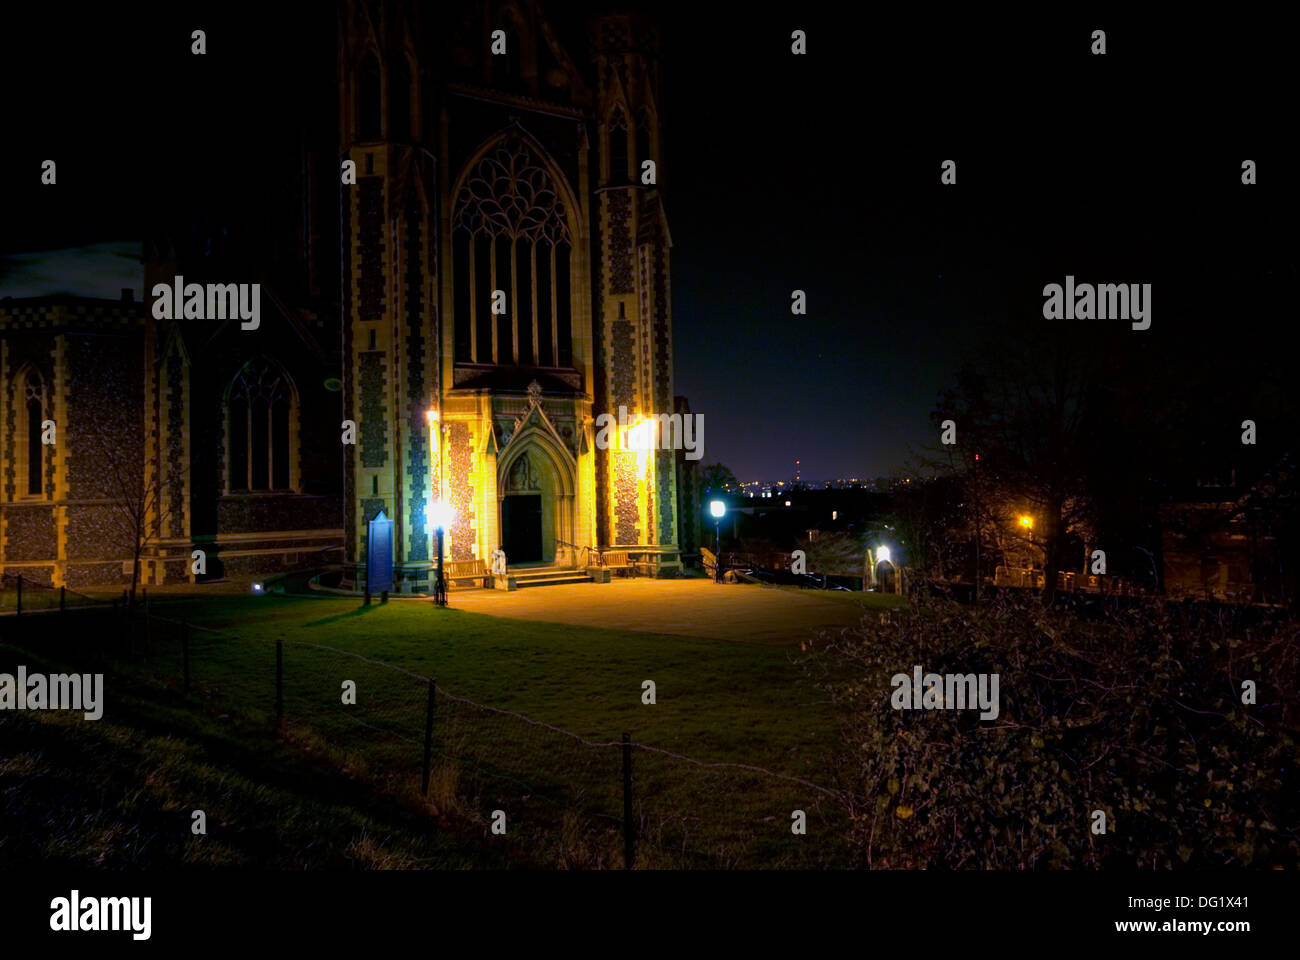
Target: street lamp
x=717, y=508
x=1028, y=523
x=439, y=515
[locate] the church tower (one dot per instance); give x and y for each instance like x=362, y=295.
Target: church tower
x=389, y=284
x=637, y=493
x=504, y=282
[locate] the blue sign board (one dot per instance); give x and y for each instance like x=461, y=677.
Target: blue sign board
x=379, y=554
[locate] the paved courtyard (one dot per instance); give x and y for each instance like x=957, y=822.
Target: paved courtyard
x=696, y=608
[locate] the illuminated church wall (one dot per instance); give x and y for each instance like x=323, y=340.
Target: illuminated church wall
x=479, y=175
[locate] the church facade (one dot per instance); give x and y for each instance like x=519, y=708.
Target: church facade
x=505, y=280
x=490, y=191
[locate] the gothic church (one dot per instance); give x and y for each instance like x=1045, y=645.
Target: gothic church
x=495, y=278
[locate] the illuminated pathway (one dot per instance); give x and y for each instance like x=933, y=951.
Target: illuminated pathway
x=696, y=608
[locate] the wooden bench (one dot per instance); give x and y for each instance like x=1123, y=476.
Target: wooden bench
x=465, y=570
x=616, y=560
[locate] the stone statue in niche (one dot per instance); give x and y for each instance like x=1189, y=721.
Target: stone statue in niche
x=522, y=476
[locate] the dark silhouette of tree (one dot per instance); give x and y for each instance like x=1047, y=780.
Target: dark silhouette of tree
x=1029, y=428
x=717, y=478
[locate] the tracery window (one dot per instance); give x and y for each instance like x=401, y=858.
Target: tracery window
x=511, y=233
x=259, y=429
x=30, y=479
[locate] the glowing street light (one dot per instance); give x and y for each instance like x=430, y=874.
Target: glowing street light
x=717, y=508
x=1028, y=523
x=882, y=554
x=439, y=515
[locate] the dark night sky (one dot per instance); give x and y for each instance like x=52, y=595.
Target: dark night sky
x=782, y=172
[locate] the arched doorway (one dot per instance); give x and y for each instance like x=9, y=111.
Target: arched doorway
x=536, y=481
x=522, y=524
x=887, y=576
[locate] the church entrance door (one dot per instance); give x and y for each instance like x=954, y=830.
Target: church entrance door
x=521, y=527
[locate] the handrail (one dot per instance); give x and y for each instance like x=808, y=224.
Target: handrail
x=574, y=546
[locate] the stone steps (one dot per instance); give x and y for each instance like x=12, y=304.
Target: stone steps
x=546, y=576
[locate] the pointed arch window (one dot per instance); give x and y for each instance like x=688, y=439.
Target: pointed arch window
x=617, y=147
x=644, y=147
x=511, y=233
x=31, y=452
x=399, y=101
x=370, y=100
x=261, y=430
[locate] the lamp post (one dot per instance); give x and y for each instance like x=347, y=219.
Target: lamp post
x=1028, y=523
x=437, y=513
x=440, y=517
x=717, y=509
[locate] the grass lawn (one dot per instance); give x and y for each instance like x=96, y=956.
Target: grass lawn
x=120, y=792
x=718, y=701
x=866, y=599
x=34, y=598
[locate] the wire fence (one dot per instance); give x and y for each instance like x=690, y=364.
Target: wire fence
x=20, y=593
x=580, y=802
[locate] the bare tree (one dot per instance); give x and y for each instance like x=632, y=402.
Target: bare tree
x=135, y=501
x=1026, y=429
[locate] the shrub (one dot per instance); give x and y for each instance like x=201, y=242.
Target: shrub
x=1137, y=714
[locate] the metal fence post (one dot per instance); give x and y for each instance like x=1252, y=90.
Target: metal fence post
x=629, y=829
x=428, y=735
x=279, y=681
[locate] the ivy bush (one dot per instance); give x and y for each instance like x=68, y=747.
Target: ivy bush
x=1136, y=714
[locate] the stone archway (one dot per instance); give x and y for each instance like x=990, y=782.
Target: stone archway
x=536, y=482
